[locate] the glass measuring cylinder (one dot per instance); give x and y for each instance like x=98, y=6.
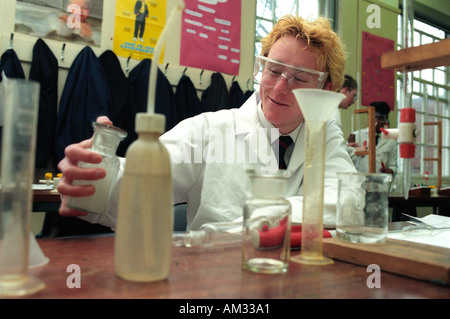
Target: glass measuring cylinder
x=316, y=106
x=18, y=154
x=106, y=140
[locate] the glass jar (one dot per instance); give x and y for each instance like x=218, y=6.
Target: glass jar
x=105, y=142
x=267, y=226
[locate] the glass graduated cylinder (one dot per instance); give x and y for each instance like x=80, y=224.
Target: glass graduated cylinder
x=106, y=140
x=18, y=153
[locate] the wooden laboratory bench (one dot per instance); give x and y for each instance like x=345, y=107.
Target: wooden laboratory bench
x=198, y=273
x=46, y=196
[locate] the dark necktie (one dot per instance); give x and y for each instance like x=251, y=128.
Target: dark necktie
x=284, y=142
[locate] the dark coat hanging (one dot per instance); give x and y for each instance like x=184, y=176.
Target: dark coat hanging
x=84, y=98
x=187, y=101
x=44, y=69
x=123, y=104
x=165, y=99
x=215, y=97
x=237, y=96
x=10, y=64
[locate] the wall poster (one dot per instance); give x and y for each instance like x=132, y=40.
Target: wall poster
x=77, y=21
x=377, y=84
x=211, y=35
x=138, y=25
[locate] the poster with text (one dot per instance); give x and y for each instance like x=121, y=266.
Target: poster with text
x=211, y=35
x=377, y=84
x=138, y=24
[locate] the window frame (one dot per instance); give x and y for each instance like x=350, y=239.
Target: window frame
x=424, y=83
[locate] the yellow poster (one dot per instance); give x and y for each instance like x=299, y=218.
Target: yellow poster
x=137, y=28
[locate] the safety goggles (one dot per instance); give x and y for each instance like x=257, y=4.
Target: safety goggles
x=297, y=77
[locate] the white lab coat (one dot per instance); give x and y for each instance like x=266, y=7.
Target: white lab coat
x=385, y=152
x=216, y=191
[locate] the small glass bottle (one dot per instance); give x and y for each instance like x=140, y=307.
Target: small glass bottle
x=106, y=140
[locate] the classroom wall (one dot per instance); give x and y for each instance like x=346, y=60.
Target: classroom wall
x=23, y=45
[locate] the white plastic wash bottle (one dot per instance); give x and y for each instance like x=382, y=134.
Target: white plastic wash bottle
x=144, y=222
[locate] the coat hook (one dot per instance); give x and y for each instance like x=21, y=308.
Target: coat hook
x=248, y=82
x=184, y=72
x=127, y=67
x=165, y=69
x=63, y=52
x=201, y=75
x=234, y=78
x=11, y=41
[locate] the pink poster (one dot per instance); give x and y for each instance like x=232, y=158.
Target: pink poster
x=211, y=35
x=377, y=84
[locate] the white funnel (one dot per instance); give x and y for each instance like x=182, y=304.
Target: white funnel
x=316, y=106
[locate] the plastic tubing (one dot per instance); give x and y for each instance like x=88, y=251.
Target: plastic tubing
x=151, y=98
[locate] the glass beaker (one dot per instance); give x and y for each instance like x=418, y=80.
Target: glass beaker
x=106, y=140
x=18, y=155
x=363, y=207
x=267, y=226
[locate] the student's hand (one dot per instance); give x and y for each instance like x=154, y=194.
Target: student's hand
x=70, y=170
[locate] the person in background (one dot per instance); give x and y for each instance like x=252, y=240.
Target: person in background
x=386, y=149
x=297, y=53
x=350, y=90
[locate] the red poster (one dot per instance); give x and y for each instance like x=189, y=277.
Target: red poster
x=211, y=35
x=377, y=84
